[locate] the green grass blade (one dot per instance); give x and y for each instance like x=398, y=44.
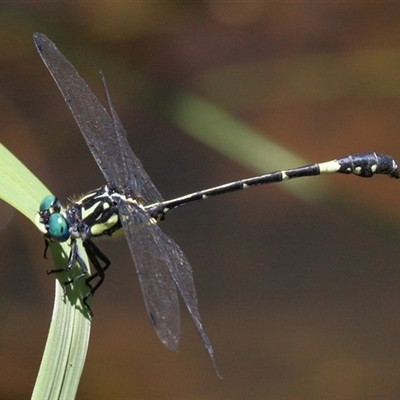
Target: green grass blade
x=68, y=337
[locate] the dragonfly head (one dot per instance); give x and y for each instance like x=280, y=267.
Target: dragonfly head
x=54, y=223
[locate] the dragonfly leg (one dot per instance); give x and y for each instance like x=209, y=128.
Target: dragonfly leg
x=73, y=257
x=95, y=254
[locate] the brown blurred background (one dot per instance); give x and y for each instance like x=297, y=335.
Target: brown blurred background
x=300, y=300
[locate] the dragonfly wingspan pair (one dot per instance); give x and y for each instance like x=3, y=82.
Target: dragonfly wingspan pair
x=160, y=263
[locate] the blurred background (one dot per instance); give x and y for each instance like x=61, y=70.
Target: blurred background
x=298, y=291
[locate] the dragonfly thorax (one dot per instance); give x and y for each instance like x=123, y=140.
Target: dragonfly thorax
x=92, y=215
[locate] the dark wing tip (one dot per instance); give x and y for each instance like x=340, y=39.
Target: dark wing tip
x=40, y=39
x=171, y=341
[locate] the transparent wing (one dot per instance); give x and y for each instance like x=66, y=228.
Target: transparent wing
x=104, y=135
x=132, y=165
x=158, y=287
x=160, y=263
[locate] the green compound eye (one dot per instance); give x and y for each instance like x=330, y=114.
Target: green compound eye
x=58, y=228
x=47, y=202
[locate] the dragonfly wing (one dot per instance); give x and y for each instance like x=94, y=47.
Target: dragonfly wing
x=132, y=165
x=104, y=135
x=158, y=287
x=158, y=258
x=182, y=274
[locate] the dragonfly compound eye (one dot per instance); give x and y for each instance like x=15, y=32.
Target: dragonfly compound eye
x=47, y=202
x=58, y=228
x=50, y=203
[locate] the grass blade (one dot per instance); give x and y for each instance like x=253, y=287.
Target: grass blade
x=68, y=337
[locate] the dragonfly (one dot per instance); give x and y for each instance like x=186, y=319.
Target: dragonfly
x=130, y=201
